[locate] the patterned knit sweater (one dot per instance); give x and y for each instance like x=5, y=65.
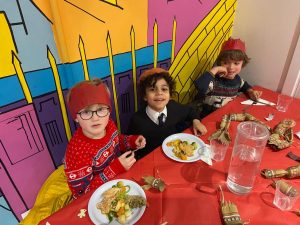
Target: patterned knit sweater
x=91, y=162
x=217, y=91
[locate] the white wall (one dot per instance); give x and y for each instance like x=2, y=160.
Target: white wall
x=271, y=30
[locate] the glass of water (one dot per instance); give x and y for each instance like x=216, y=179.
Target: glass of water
x=286, y=195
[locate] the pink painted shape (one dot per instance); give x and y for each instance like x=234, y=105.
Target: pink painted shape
x=9, y=190
x=188, y=15
x=24, y=154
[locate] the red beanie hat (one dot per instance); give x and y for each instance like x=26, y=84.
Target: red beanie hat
x=234, y=44
x=86, y=94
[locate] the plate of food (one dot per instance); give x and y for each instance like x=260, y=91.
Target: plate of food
x=117, y=202
x=183, y=147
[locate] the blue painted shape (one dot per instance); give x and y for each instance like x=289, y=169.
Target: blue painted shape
x=40, y=82
x=10, y=90
x=164, y=51
x=99, y=67
x=7, y=217
x=122, y=62
x=144, y=56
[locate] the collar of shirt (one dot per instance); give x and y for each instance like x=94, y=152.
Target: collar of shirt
x=153, y=115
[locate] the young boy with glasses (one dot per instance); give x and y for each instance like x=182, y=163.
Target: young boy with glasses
x=97, y=152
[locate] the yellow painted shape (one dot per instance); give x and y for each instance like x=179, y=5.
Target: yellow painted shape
x=7, y=45
x=111, y=65
x=155, y=44
x=198, y=41
x=83, y=59
x=114, y=2
x=59, y=31
x=59, y=93
x=186, y=80
x=17, y=65
x=87, y=19
x=134, y=78
x=173, y=39
x=201, y=48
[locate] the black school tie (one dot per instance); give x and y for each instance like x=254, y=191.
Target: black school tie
x=161, y=119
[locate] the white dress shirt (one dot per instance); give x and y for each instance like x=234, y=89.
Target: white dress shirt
x=153, y=115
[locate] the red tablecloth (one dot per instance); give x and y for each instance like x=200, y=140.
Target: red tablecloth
x=190, y=197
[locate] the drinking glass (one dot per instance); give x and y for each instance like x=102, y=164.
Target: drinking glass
x=283, y=102
x=218, y=150
x=284, y=198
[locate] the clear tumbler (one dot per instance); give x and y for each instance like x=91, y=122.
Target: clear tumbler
x=246, y=156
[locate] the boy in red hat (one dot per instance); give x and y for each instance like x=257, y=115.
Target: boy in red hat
x=161, y=116
x=94, y=153
x=222, y=83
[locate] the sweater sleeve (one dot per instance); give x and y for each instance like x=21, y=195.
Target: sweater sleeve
x=244, y=86
x=202, y=83
x=127, y=142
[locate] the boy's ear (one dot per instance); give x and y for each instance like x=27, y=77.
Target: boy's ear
x=145, y=98
x=76, y=120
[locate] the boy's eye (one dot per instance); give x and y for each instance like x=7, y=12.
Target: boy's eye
x=165, y=89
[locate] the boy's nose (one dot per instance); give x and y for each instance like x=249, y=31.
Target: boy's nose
x=231, y=65
x=158, y=91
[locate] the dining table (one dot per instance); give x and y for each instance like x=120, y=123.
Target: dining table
x=192, y=189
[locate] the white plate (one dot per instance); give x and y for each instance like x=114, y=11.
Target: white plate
x=184, y=137
x=98, y=218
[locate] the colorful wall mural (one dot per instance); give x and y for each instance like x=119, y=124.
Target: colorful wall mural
x=49, y=45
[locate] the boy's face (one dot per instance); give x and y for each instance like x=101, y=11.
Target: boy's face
x=157, y=97
x=94, y=127
x=233, y=67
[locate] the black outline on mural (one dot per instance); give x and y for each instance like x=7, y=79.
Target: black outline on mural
x=13, y=184
x=84, y=11
x=10, y=210
x=41, y=12
x=32, y=128
x=22, y=18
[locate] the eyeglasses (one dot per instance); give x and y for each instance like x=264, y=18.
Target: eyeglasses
x=88, y=114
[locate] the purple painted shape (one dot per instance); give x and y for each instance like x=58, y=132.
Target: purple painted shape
x=188, y=15
x=13, y=106
x=24, y=154
x=51, y=121
x=124, y=86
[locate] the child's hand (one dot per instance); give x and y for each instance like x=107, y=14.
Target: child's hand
x=140, y=142
x=198, y=127
x=253, y=94
x=127, y=159
x=220, y=70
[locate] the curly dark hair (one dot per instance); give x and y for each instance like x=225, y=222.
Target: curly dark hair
x=151, y=80
x=233, y=55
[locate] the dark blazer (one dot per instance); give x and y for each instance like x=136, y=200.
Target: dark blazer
x=179, y=118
